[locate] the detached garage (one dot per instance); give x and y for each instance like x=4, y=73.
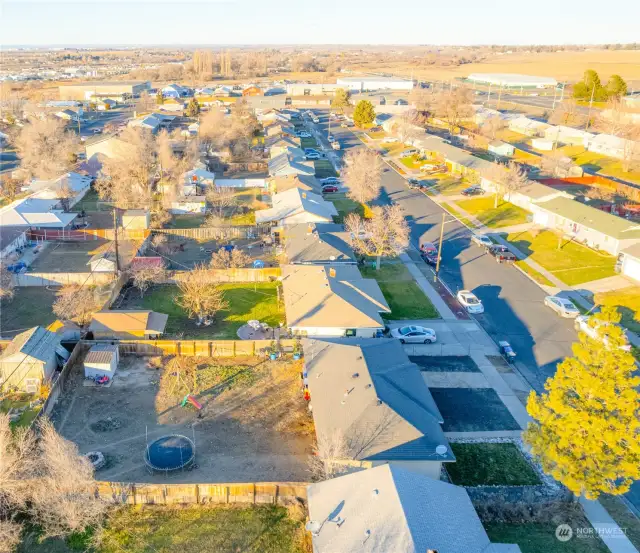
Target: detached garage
x=102, y=360
x=629, y=262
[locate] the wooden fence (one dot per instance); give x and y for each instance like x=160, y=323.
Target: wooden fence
x=196, y=348
x=61, y=279
x=268, y=274
x=274, y=493
x=215, y=233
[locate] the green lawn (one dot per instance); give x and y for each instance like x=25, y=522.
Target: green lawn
x=187, y=221
x=344, y=206
x=324, y=169
x=158, y=529
x=412, y=162
x=572, y=263
x=627, y=300
x=243, y=219
x=91, y=202
x=404, y=296
x=30, y=306
x=535, y=275
x=308, y=143
x=490, y=464
x=247, y=301
x=541, y=537
x=18, y=401
x=448, y=185
x=453, y=211
x=504, y=215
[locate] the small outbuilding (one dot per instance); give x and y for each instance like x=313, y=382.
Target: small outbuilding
x=501, y=149
x=133, y=219
x=102, y=360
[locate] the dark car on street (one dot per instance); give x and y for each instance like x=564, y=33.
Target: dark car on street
x=501, y=254
x=329, y=188
x=415, y=183
x=429, y=258
x=472, y=191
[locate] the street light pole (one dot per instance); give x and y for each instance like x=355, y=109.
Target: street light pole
x=435, y=275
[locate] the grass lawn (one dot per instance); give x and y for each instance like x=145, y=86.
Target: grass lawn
x=243, y=219
x=490, y=464
x=627, y=300
x=573, y=263
x=225, y=528
x=187, y=221
x=379, y=135
x=344, y=206
x=18, y=401
x=606, y=166
x=324, y=169
x=457, y=214
x=393, y=148
x=504, y=215
x=625, y=518
x=404, y=296
x=30, y=306
x=91, y=202
x=535, y=275
x=412, y=162
x=448, y=185
x=246, y=303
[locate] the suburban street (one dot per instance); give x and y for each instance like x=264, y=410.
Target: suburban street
x=513, y=304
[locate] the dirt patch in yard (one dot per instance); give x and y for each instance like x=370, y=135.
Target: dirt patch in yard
x=254, y=424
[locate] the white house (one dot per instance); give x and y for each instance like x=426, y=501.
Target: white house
x=528, y=127
x=104, y=104
x=36, y=213
x=297, y=206
x=103, y=261
x=567, y=135
x=51, y=190
x=11, y=238
x=198, y=177
x=175, y=91
x=612, y=146
x=189, y=204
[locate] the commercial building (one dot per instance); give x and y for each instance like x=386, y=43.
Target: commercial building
x=309, y=89
x=117, y=90
x=363, y=84
x=512, y=80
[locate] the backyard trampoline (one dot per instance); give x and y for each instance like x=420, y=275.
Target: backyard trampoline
x=169, y=453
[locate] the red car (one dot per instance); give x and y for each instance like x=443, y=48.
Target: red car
x=329, y=188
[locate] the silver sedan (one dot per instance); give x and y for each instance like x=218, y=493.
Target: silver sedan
x=562, y=306
x=414, y=335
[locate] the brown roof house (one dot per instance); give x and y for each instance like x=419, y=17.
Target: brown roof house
x=332, y=300
x=372, y=401
x=30, y=359
x=129, y=324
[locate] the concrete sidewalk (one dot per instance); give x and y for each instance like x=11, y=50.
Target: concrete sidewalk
x=607, y=528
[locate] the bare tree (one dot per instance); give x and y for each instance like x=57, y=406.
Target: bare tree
x=505, y=180
x=362, y=175
x=62, y=497
x=567, y=113
x=75, y=303
x=6, y=283
x=223, y=259
x=454, y=106
x=556, y=163
x=128, y=177
x=46, y=149
x=491, y=126
x=329, y=456
x=144, y=276
x=385, y=234
x=406, y=127
x=65, y=194
x=222, y=203
x=10, y=188
x=200, y=296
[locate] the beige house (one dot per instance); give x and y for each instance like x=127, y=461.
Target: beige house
x=128, y=324
x=29, y=360
x=332, y=300
x=297, y=206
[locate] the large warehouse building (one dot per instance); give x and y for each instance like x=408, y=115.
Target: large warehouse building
x=117, y=90
x=363, y=84
x=512, y=80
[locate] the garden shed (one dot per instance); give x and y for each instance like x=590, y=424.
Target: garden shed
x=102, y=360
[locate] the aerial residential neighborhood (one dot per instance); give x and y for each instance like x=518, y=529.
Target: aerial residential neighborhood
x=319, y=281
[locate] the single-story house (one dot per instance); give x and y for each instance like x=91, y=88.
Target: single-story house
x=241, y=183
x=481, y=114
x=223, y=91
x=189, y=204
x=394, y=509
x=375, y=399
x=567, y=135
x=533, y=193
x=104, y=104
x=193, y=129
x=36, y=213
x=286, y=164
x=500, y=148
x=332, y=301
x=149, y=122
x=297, y=206
x=543, y=144
x=278, y=145
x=629, y=262
x=381, y=118
x=172, y=105
x=101, y=360
x=529, y=127
x=253, y=91
x=175, y=91
x=593, y=227
x=612, y=146
x=11, y=238
x=307, y=183
x=78, y=183
x=30, y=359
x=199, y=177
x=317, y=244
x=136, y=219
x=458, y=160
x=128, y=324
x=390, y=125
x=69, y=115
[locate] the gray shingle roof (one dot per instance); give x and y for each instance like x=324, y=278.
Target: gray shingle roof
x=317, y=243
x=453, y=154
x=389, y=509
x=386, y=412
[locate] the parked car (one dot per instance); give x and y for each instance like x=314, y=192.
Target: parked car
x=428, y=247
x=562, y=306
x=335, y=145
x=389, y=139
x=481, y=240
x=592, y=329
x=330, y=138
x=409, y=152
x=329, y=188
x=473, y=191
x=501, y=253
x=344, y=125
x=415, y=183
x=330, y=180
x=312, y=155
x=315, y=119
x=303, y=134
x=429, y=258
x=470, y=302
x=414, y=335
x=310, y=151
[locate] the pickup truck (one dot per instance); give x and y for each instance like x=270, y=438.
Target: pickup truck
x=501, y=254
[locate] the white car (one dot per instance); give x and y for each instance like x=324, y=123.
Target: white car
x=414, y=335
x=481, y=240
x=582, y=324
x=331, y=180
x=304, y=134
x=470, y=302
x=389, y=139
x=316, y=120
x=312, y=155
x=562, y=306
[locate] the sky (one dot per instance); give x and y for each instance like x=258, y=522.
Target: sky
x=244, y=22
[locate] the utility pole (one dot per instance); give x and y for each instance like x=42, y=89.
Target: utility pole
x=489, y=96
x=115, y=235
x=435, y=276
x=555, y=90
x=499, y=97
x=593, y=90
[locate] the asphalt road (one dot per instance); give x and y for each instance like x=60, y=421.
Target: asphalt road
x=513, y=304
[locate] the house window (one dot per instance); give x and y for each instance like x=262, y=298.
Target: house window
x=350, y=333
x=32, y=385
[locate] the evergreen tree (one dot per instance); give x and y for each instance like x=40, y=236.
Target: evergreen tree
x=193, y=108
x=616, y=86
x=586, y=429
x=159, y=98
x=364, y=114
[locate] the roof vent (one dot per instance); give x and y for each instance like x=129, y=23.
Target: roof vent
x=376, y=493
x=304, y=195
x=309, y=229
x=332, y=258
x=355, y=375
x=378, y=401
